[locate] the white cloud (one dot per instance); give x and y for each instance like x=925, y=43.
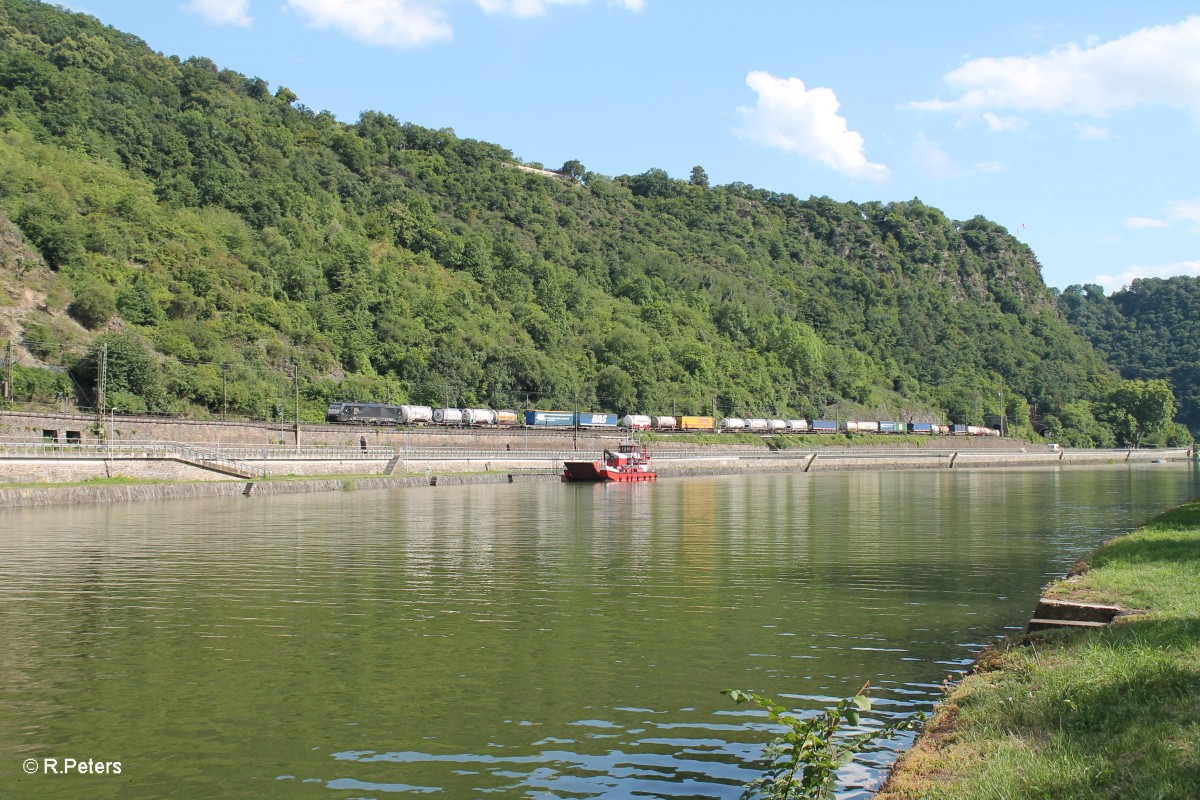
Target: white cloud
x=998, y=123
x=395, y=23
x=936, y=164
x=1088, y=131
x=222, y=12
x=1112, y=283
x=1184, y=210
x=1144, y=223
x=804, y=121
x=932, y=159
x=524, y=8
x=539, y=8
x=1157, y=66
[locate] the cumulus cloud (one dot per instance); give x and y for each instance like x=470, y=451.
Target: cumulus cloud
x=222, y=12
x=1157, y=66
x=394, y=23
x=792, y=118
x=1145, y=223
x=1112, y=283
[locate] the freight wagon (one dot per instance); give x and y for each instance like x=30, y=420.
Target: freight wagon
x=550, y=419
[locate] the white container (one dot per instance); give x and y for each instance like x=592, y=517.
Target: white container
x=411, y=415
x=479, y=416
x=448, y=416
x=662, y=422
x=637, y=422
x=732, y=424
x=797, y=425
x=756, y=424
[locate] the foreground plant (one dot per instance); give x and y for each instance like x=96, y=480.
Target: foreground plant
x=803, y=761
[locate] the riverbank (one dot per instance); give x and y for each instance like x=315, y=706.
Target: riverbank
x=1103, y=713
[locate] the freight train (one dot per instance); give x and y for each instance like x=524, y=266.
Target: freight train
x=387, y=414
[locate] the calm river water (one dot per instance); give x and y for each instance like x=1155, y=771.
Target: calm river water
x=518, y=641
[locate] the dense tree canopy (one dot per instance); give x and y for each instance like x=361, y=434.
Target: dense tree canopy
x=1147, y=331
x=237, y=233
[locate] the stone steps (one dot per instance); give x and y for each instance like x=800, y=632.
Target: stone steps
x=1051, y=613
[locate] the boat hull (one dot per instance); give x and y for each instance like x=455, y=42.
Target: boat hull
x=596, y=472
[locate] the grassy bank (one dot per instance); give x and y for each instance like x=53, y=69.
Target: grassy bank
x=1112, y=713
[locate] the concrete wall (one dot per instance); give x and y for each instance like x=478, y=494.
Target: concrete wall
x=68, y=495
x=67, y=470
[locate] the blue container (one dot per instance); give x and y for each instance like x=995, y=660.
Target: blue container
x=958, y=429
x=550, y=419
x=589, y=420
x=824, y=426
x=920, y=427
x=891, y=427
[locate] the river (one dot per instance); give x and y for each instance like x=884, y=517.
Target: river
x=518, y=641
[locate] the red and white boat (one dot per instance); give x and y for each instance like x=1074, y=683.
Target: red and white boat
x=629, y=464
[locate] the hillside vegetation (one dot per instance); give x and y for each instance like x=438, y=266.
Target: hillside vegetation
x=1147, y=330
x=235, y=237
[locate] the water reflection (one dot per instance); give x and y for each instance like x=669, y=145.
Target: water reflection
x=519, y=641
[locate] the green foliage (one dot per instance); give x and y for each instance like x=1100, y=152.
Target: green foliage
x=94, y=303
x=1136, y=409
x=241, y=233
x=802, y=762
x=1147, y=330
x=130, y=372
x=38, y=385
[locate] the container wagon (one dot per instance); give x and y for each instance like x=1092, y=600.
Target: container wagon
x=549, y=419
x=590, y=420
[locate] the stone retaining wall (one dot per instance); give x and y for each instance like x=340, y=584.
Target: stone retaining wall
x=74, y=495
x=71, y=470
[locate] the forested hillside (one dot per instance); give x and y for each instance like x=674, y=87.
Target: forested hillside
x=220, y=237
x=1148, y=330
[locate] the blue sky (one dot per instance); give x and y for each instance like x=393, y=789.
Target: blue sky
x=1073, y=124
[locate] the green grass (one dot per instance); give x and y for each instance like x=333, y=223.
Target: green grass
x=117, y=481
x=1113, y=713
